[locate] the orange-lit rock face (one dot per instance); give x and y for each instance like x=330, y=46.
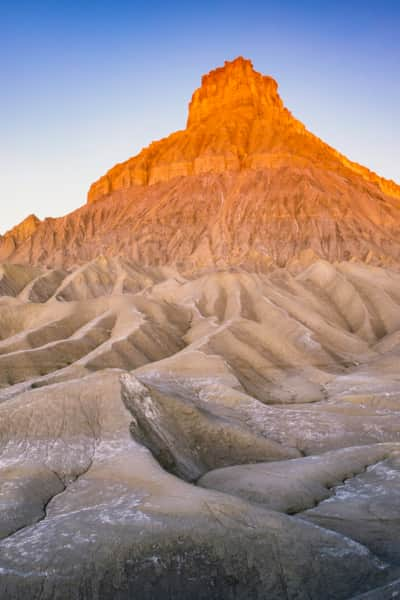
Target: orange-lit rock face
x=244, y=184
x=25, y=229
x=236, y=87
x=21, y=232
x=236, y=121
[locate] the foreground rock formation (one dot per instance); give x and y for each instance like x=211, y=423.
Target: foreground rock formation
x=199, y=381
x=244, y=184
x=133, y=399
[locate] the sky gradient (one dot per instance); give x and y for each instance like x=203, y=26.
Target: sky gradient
x=88, y=84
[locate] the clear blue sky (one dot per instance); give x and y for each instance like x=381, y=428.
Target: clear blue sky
x=87, y=84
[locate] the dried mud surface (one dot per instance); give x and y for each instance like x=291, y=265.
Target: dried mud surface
x=228, y=434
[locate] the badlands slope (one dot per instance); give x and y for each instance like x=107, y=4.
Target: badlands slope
x=226, y=435
x=199, y=371
x=245, y=184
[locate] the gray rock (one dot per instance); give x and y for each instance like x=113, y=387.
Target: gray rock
x=188, y=439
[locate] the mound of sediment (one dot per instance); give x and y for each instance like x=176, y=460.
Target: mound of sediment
x=155, y=429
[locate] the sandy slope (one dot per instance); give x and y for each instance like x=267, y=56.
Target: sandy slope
x=122, y=386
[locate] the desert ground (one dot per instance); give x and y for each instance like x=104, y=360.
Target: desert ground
x=225, y=434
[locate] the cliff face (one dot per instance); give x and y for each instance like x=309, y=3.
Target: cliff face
x=244, y=183
x=236, y=121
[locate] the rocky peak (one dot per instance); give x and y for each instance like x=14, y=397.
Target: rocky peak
x=25, y=229
x=235, y=86
x=237, y=121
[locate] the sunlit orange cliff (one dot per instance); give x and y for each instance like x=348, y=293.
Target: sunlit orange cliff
x=244, y=183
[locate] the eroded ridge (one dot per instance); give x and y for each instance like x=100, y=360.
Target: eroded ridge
x=229, y=434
